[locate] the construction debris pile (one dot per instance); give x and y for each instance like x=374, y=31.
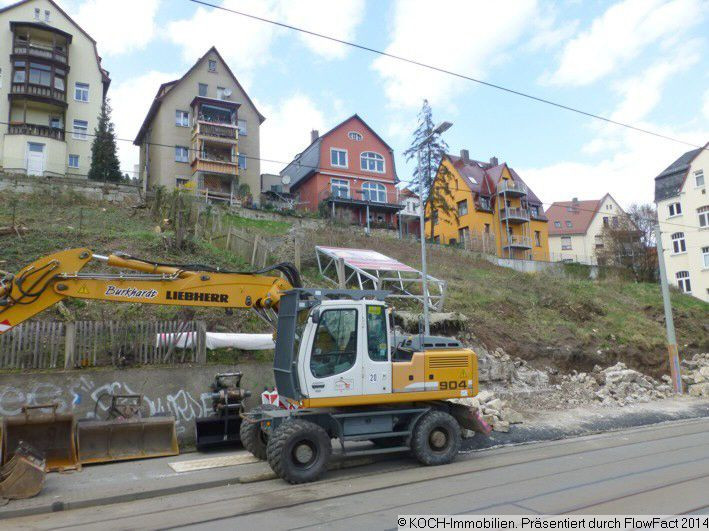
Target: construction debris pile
x=495, y=411
x=499, y=367
x=695, y=374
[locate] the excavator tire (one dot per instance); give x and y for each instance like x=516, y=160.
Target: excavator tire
x=436, y=438
x=252, y=436
x=299, y=451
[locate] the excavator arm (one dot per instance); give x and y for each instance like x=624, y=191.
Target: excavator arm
x=58, y=276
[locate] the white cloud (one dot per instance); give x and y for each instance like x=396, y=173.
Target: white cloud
x=286, y=132
x=118, y=27
x=246, y=43
x=131, y=100
x=457, y=35
x=621, y=33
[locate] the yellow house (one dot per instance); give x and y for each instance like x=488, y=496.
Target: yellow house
x=485, y=206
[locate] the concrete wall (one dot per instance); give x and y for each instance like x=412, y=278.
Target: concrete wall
x=181, y=391
x=114, y=193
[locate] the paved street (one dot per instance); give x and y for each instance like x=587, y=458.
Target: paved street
x=660, y=469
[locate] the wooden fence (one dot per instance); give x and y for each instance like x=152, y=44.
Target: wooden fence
x=41, y=344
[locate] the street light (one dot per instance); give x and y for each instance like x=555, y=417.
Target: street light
x=440, y=128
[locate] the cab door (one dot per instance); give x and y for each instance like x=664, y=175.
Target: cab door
x=333, y=365
x=376, y=361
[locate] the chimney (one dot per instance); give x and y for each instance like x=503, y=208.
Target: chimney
x=465, y=155
x=314, y=135
x=575, y=200
x=494, y=161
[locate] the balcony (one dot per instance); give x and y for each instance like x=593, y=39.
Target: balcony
x=207, y=163
x=40, y=52
x=216, y=132
x=41, y=92
x=36, y=130
x=512, y=188
x=514, y=215
x=515, y=241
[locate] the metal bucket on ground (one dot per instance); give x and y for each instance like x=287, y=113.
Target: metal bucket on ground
x=23, y=475
x=125, y=434
x=50, y=434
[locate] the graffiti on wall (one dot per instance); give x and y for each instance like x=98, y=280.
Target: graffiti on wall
x=86, y=399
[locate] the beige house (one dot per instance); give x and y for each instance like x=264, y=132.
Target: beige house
x=202, y=133
x=682, y=199
x=52, y=87
x=575, y=228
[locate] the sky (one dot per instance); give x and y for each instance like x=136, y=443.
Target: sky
x=644, y=62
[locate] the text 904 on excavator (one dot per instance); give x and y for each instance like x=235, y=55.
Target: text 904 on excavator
x=337, y=360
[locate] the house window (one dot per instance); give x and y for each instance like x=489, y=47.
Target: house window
x=46, y=16
x=242, y=161
x=487, y=228
x=537, y=238
x=705, y=257
x=615, y=221
x=463, y=207
x=221, y=93
x=354, y=135
x=534, y=211
x=683, y=281
x=599, y=241
x=202, y=89
x=678, y=243
x=81, y=129
x=434, y=217
x=181, y=182
x=243, y=130
x=703, y=216
x=42, y=75
x=566, y=243
x=340, y=188
x=675, y=209
x=36, y=13
x=81, y=91
x=699, y=178
x=182, y=154
x=59, y=79
x=485, y=203
x=605, y=221
x=19, y=74
x=374, y=192
x=212, y=65
x=370, y=161
x=55, y=122
x=463, y=234
x=182, y=118
x=338, y=157
x=568, y=224
x=73, y=161
x=557, y=224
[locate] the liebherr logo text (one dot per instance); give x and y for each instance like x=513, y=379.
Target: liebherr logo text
x=131, y=293
x=195, y=296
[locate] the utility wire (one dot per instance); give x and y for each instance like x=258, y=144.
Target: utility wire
x=450, y=73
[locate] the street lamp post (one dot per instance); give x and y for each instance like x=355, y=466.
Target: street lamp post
x=440, y=128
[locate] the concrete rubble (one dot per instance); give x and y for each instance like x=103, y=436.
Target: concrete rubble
x=494, y=411
x=499, y=367
x=695, y=375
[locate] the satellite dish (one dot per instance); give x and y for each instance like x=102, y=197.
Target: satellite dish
x=227, y=92
x=285, y=179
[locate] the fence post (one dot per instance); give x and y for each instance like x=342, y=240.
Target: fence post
x=296, y=253
x=201, y=342
x=69, y=344
x=228, y=239
x=257, y=239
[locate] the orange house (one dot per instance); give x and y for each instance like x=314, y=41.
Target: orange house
x=349, y=174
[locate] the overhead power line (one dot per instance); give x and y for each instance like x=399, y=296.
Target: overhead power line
x=449, y=72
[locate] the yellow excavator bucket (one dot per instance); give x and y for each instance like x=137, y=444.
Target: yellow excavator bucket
x=23, y=475
x=50, y=434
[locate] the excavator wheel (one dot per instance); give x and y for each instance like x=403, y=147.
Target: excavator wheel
x=299, y=451
x=436, y=438
x=252, y=436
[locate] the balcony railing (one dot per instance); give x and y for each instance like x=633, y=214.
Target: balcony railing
x=214, y=130
x=512, y=187
x=208, y=165
x=514, y=214
x=36, y=130
x=514, y=240
x=43, y=53
x=43, y=91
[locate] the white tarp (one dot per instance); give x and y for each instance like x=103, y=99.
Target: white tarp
x=217, y=340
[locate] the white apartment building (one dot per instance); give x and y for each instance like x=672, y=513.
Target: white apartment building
x=52, y=87
x=576, y=227
x=682, y=203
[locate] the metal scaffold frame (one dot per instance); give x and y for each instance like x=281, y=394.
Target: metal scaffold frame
x=385, y=273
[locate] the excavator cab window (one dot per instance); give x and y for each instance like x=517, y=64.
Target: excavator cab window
x=377, y=333
x=335, y=344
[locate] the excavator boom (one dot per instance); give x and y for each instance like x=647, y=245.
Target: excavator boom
x=53, y=278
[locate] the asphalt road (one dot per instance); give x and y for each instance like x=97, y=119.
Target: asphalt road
x=662, y=469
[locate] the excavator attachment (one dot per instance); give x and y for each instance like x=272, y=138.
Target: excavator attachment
x=125, y=434
x=51, y=434
x=23, y=475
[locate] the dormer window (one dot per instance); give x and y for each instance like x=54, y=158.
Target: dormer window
x=212, y=65
x=354, y=135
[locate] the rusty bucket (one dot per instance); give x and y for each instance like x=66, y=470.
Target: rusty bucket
x=23, y=475
x=50, y=434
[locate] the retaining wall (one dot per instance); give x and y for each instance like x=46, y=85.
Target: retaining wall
x=99, y=191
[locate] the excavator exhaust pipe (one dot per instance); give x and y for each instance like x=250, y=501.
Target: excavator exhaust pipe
x=23, y=475
x=125, y=434
x=50, y=434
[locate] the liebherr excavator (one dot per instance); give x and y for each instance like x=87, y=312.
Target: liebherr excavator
x=336, y=360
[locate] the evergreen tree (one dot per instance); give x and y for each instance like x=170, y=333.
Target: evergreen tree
x=437, y=179
x=104, y=160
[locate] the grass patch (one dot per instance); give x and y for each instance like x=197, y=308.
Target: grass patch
x=266, y=226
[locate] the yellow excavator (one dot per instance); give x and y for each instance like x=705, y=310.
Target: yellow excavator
x=337, y=361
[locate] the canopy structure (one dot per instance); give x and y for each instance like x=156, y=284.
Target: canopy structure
x=366, y=269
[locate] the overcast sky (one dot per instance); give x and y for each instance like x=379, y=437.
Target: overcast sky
x=638, y=61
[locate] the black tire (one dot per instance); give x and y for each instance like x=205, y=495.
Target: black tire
x=436, y=438
x=252, y=436
x=299, y=451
